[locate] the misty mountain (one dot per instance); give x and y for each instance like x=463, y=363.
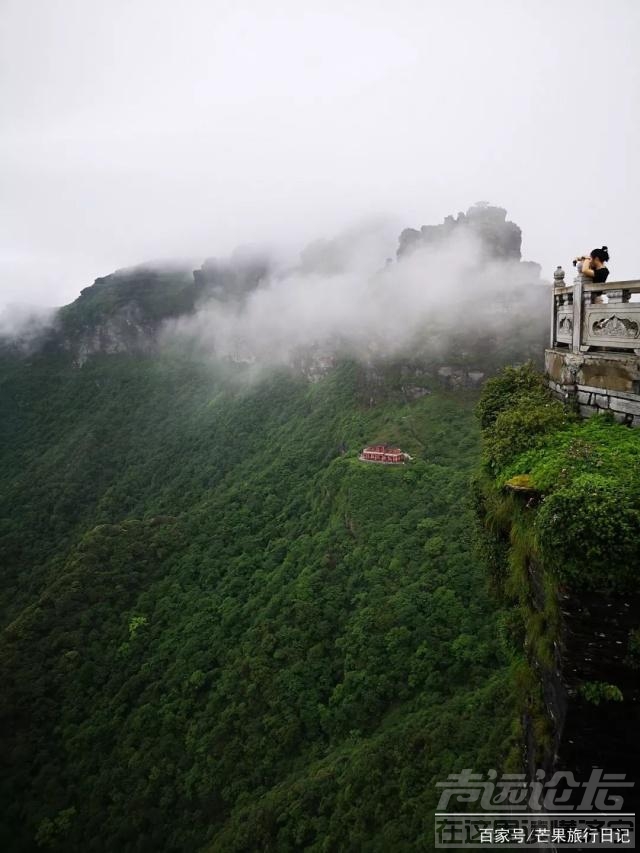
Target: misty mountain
x=458, y=293
x=228, y=624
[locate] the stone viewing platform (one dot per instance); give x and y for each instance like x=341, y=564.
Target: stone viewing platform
x=594, y=352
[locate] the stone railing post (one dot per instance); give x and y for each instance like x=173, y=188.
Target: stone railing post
x=558, y=281
x=577, y=313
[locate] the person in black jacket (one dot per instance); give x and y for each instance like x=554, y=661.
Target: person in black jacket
x=594, y=265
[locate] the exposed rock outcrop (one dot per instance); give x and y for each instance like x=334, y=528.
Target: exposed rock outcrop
x=500, y=238
x=122, y=312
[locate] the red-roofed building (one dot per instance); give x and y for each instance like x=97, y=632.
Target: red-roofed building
x=382, y=453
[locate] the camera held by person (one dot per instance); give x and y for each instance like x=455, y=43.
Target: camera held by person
x=593, y=265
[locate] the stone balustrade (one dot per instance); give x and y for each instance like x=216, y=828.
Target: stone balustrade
x=588, y=317
x=594, y=353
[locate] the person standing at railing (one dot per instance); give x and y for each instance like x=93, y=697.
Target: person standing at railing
x=594, y=266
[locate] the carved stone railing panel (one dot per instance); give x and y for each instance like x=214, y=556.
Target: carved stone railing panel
x=564, y=323
x=612, y=325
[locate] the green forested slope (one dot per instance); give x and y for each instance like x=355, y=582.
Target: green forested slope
x=221, y=631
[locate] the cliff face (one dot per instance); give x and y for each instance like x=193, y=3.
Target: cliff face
x=587, y=711
x=581, y=708
x=122, y=312
x=597, y=731
x=560, y=505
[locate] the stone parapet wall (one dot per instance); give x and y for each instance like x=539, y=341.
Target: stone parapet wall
x=596, y=382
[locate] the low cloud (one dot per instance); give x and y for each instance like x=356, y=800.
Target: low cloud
x=23, y=325
x=344, y=297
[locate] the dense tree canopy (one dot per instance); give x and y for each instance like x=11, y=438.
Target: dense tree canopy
x=223, y=632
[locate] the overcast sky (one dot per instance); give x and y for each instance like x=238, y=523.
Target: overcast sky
x=139, y=129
